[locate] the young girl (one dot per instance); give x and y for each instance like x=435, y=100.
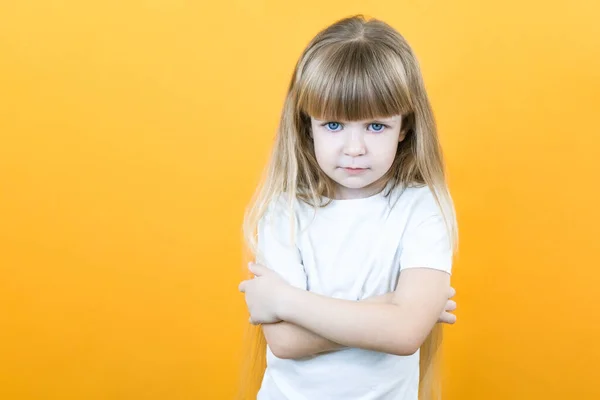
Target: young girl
x=354, y=229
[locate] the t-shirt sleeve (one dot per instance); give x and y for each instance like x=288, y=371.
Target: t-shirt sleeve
x=426, y=242
x=276, y=249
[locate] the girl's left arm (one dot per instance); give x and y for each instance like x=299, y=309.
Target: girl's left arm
x=399, y=327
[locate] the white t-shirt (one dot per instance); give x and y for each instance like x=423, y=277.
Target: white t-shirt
x=351, y=249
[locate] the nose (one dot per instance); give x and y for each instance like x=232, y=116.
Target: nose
x=355, y=144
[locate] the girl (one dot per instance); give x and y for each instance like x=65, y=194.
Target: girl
x=354, y=229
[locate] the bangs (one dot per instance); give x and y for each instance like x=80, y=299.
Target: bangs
x=356, y=81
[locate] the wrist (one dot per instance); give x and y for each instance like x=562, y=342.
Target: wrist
x=285, y=301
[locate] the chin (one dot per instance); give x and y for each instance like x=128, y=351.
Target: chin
x=354, y=183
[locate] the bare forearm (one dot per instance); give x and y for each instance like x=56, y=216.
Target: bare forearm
x=379, y=326
x=288, y=340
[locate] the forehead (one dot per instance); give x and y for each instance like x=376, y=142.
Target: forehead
x=391, y=119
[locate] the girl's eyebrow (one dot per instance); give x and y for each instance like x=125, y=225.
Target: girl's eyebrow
x=386, y=120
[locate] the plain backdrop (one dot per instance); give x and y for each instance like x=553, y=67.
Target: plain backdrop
x=132, y=134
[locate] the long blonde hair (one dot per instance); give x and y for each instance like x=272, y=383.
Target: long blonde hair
x=355, y=69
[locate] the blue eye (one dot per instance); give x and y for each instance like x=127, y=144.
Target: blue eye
x=336, y=126
x=332, y=126
x=377, y=127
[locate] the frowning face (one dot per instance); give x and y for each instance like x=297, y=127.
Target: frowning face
x=357, y=154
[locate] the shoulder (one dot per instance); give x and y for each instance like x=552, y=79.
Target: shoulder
x=289, y=208
x=282, y=206
x=284, y=213
x=419, y=201
x=425, y=209
x=278, y=223
x=277, y=212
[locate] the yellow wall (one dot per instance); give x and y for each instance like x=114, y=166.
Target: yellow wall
x=132, y=134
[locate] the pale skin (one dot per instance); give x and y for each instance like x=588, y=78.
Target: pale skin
x=369, y=145
x=395, y=323
x=298, y=323
x=290, y=341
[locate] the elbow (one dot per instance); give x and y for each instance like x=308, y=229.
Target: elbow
x=404, y=348
x=282, y=354
x=279, y=344
x=405, y=339
x=281, y=350
x=405, y=344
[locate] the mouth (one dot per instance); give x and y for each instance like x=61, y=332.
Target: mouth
x=354, y=170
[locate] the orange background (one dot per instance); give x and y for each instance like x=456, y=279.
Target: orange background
x=133, y=133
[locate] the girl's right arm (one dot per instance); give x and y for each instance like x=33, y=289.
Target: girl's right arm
x=290, y=341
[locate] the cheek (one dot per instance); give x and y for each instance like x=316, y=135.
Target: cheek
x=385, y=152
x=324, y=152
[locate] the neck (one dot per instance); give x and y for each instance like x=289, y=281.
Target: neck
x=344, y=193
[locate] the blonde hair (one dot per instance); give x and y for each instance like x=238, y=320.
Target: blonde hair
x=355, y=69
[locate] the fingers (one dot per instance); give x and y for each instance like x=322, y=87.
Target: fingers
x=447, y=318
x=451, y=293
x=257, y=269
x=450, y=305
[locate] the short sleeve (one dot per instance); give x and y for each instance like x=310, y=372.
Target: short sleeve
x=426, y=242
x=276, y=248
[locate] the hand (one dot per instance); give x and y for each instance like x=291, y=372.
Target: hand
x=445, y=316
x=263, y=293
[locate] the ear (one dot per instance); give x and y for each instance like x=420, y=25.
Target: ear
x=404, y=128
x=402, y=136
